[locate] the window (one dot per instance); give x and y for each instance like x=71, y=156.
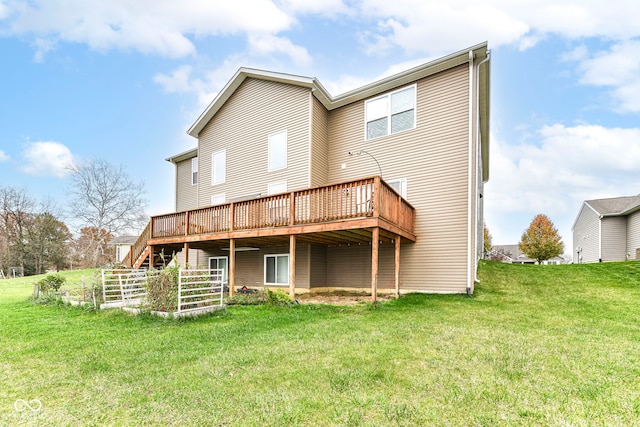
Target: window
x=276, y=269
x=390, y=113
x=400, y=185
x=278, y=209
x=218, y=199
x=278, y=151
x=194, y=171
x=218, y=167
x=220, y=263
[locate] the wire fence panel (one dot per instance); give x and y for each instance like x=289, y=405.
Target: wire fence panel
x=200, y=289
x=123, y=287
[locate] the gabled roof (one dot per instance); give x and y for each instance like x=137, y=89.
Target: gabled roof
x=123, y=240
x=615, y=206
x=478, y=51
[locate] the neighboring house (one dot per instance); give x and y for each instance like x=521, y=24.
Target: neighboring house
x=607, y=230
x=284, y=186
x=513, y=255
x=122, y=246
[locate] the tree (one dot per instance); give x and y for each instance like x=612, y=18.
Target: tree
x=47, y=243
x=541, y=240
x=487, y=240
x=107, y=201
x=16, y=217
x=91, y=248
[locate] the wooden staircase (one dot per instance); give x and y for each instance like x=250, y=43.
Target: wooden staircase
x=139, y=254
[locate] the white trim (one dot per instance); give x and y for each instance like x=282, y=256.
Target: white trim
x=286, y=148
x=213, y=162
x=276, y=266
x=470, y=253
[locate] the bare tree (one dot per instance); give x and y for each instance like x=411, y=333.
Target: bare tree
x=107, y=200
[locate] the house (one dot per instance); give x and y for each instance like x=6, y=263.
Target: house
x=607, y=230
x=377, y=189
x=122, y=246
x=513, y=255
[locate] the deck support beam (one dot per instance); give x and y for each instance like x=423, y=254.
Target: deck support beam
x=186, y=255
x=292, y=265
x=232, y=266
x=375, y=248
x=151, y=257
x=397, y=265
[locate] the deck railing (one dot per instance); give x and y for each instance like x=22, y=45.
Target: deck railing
x=370, y=197
x=138, y=247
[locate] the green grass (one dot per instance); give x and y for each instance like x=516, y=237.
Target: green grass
x=536, y=345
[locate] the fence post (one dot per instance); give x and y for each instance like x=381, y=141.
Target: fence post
x=104, y=291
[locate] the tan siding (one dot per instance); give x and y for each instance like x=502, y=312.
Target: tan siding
x=257, y=109
x=350, y=266
x=318, y=266
x=614, y=238
x=586, y=236
x=185, y=192
x=319, y=144
x=434, y=159
x=633, y=235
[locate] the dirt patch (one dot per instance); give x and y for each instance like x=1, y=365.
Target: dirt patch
x=338, y=298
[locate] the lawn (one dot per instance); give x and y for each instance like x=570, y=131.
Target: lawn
x=535, y=345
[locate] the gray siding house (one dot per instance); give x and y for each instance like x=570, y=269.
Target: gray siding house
x=379, y=188
x=607, y=230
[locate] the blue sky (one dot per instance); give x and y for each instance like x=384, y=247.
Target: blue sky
x=123, y=81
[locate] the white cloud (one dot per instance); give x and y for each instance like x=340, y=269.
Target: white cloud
x=160, y=27
x=436, y=27
x=617, y=68
x=323, y=7
x=4, y=157
x=47, y=158
x=555, y=172
x=266, y=45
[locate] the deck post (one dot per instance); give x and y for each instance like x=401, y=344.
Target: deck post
x=375, y=246
x=232, y=266
x=232, y=214
x=186, y=254
x=292, y=208
x=377, y=196
x=397, y=266
x=292, y=265
x=151, y=257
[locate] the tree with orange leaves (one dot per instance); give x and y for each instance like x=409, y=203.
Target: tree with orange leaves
x=541, y=241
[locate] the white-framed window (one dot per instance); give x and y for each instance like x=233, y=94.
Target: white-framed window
x=218, y=199
x=194, y=171
x=278, y=209
x=390, y=113
x=278, y=151
x=220, y=263
x=277, y=187
x=400, y=185
x=218, y=167
x=276, y=269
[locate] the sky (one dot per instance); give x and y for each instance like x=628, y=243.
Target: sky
x=123, y=81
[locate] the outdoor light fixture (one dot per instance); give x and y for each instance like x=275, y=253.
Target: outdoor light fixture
x=359, y=152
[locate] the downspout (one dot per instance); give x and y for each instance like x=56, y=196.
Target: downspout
x=469, y=172
x=479, y=152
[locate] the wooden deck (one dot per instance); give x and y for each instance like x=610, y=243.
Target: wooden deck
x=366, y=210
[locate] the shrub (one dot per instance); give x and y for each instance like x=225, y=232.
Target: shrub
x=50, y=282
x=162, y=289
x=279, y=297
x=250, y=298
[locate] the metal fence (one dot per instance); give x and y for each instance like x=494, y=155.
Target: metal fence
x=123, y=287
x=200, y=290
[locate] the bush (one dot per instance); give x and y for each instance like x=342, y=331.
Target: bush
x=162, y=289
x=250, y=298
x=279, y=297
x=50, y=282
